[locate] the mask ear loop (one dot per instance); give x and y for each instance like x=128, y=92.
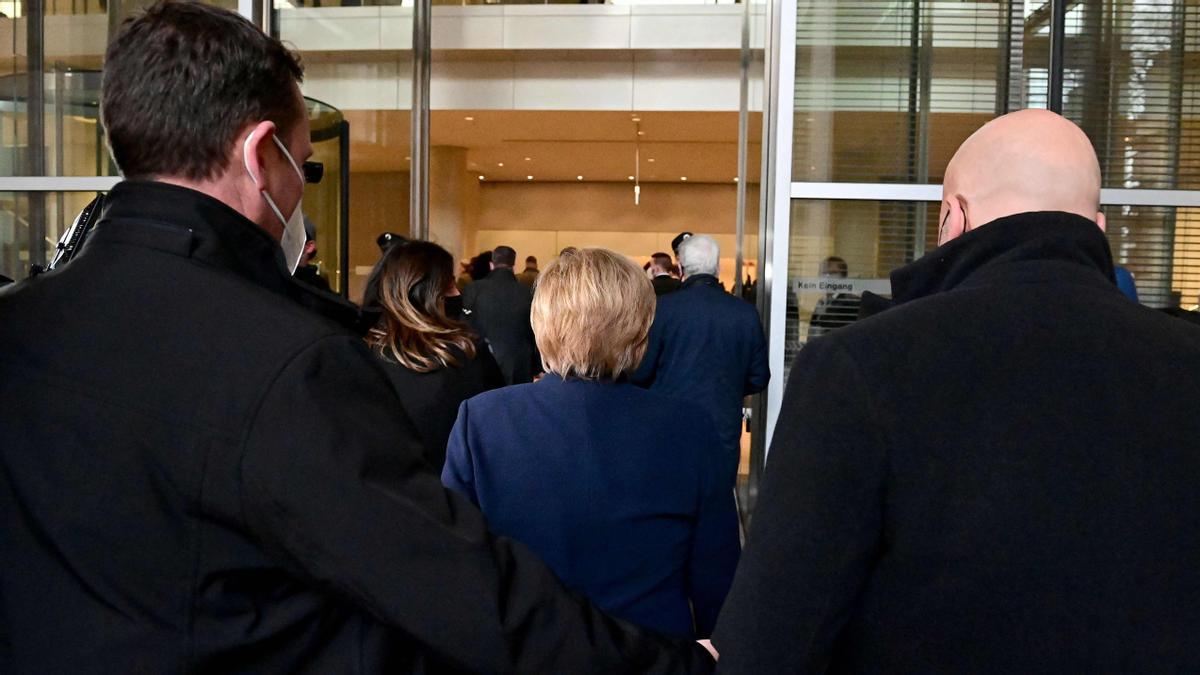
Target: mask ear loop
x=246, y=157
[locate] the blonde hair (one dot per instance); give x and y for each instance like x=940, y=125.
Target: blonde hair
x=592, y=310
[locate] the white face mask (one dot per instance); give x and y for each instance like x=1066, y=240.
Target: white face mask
x=293, y=239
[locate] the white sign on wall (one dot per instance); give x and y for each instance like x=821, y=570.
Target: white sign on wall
x=841, y=285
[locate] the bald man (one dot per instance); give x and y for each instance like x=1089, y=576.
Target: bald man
x=993, y=475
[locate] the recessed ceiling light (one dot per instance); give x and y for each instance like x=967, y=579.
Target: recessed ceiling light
x=500, y=164
x=650, y=160
x=735, y=179
x=637, y=119
x=469, y=119
x=528, y=159
x=683, y=178
x=481, y=178
x=641, y=133
x=578, y=177
x=528, y=177
x=407, y=159
x=631, y=178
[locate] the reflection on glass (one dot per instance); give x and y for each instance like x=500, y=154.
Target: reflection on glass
x=22, y=244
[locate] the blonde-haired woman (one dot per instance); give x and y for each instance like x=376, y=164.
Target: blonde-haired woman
x=434, y=360
x=620, y=490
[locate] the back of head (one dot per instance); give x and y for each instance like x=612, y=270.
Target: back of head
x=591, y=315
x=182, y=81
x=679, y=239
x=531, y=262
x=481, y=265
x=504, y=256
x=662, y=263
x=1030, y=160
x=699, y=254
x=834, y=266
x=411, y=283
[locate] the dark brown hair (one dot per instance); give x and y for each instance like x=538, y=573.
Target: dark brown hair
x=410, y=283
x=181, y=82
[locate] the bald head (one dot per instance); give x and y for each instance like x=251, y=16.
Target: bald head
x=1030, y=160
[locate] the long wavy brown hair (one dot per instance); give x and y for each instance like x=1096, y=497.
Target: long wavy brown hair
x=409, y=284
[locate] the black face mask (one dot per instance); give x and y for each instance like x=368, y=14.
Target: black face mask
x=454, y=307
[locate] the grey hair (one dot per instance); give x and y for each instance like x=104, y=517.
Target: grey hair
x=700, y=254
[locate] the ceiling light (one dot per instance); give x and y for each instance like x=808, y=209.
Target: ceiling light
x=683, y=178
x=631, y=178
x=528, y=177
x=500, y=164
x=641, y=133
x=528, y=159
x=650, y=160
x=469, y=119
x=578, y=177
x=407, y=159
x=735, y=179
x=481, y=177
x=637, y=119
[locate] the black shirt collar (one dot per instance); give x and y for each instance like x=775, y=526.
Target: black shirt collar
x=998, y=249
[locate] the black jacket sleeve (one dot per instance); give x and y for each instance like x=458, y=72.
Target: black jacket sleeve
x=335, y=485
x=817, y=526
x=760, y=369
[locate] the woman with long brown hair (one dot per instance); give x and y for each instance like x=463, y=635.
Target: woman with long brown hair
x=435, y=361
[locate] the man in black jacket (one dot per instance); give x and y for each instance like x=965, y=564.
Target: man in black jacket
x=660, y=269
x=198, y=474
x=498, y=307
x=990, y=476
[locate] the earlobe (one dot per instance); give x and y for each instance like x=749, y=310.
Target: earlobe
x=953, y=222
x=1101, y=221
x=252, y=157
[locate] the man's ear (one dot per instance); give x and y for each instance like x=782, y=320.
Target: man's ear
x=255, y=146
x=954, y=219
x=1101, y=221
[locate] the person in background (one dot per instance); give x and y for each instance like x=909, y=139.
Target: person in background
x=1125, y=282
x=464, y=275
x=481, y=266
x=306, y=271
x=836, y=309
x=498, y=307
x=563, y=466
x=434, y=361
x=202, y=472
x=707, y=346
x=999, y=473
x=389, y=239
x=529, y=276
x=661, y=267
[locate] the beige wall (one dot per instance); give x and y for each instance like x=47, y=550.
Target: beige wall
x=541, y=219
x=378, y=203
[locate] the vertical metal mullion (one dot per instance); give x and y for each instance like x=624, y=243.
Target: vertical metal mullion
x=344, y=210
x=35, y=112
x=926, y=88
x=1058, y=34
x=743, y=150
x=418, y=211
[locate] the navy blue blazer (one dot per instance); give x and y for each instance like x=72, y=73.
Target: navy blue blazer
x=707, y=346
x=620, y=490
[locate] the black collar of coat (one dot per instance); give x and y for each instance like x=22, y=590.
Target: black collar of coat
x=701, y=280
x=999, y=248
x=502, y=273
x=191, y=224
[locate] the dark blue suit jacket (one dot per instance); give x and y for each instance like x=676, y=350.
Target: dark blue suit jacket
x=621, y=491
x=707, y=346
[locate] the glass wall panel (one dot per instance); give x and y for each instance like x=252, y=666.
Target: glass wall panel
x=24, y=242
x=887, y=89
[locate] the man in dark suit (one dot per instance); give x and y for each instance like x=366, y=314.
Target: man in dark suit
x=663, y=282
x=498, y=307
x=707, y=346
x=990, y=476
x=199, y=474
x=529, y=276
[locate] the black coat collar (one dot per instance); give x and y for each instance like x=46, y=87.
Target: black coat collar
x=702, y=280
x=1023, y=245
x=502, y=273
x=191, y=224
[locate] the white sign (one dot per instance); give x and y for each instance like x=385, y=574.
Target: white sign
x=841, y=285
